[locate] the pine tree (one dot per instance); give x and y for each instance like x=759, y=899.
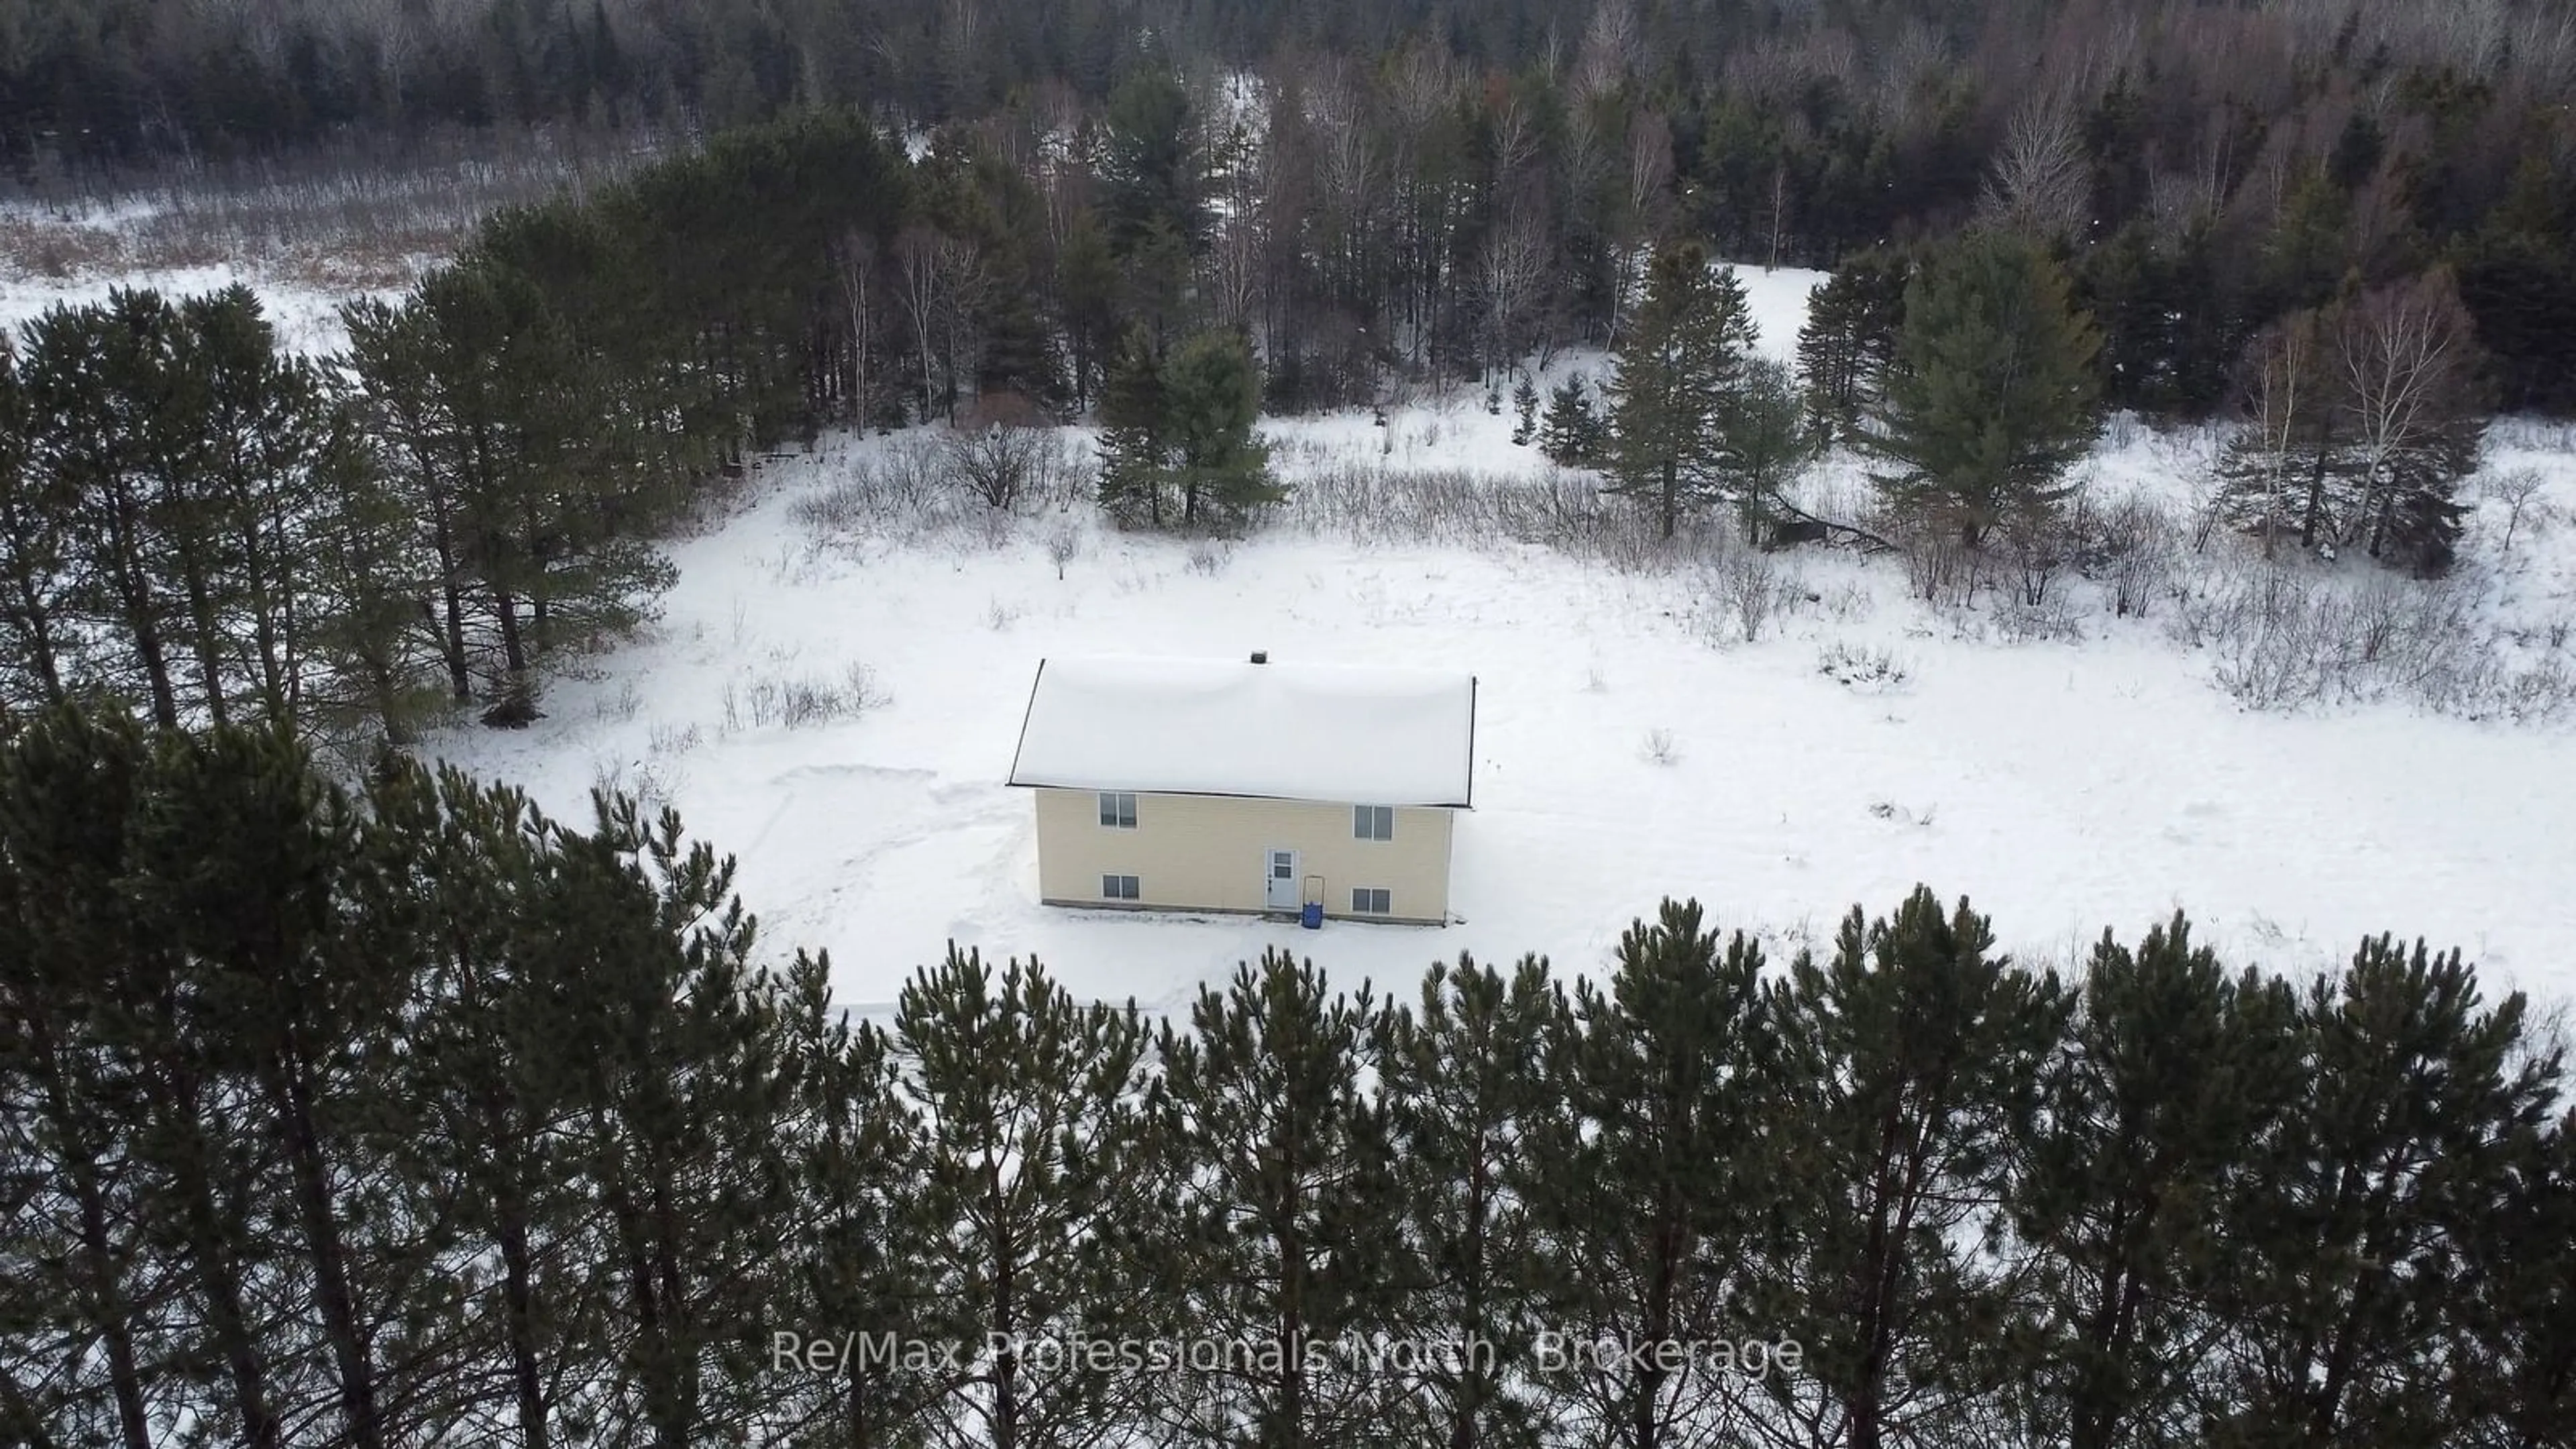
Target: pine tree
x=2172, y=1071
x=96, y=380
x=1574, y=434
x=677, y=1114
x=81, y=1295
x=1848, y=343
x=1764, y=444
x=1463, y=1079
x=1283, y=1233
x=1680, y=365
x=1914, y=1061
x=1211, y=399
x=1648, y=1172
x=1135, y=453
x=1524, y=411
x=1086, y=291
x=457, y=873
x=35, y=515
x=280, y=997
x=1032, y=1188
x=2521, y=1266
x=1154, y=163
x=2344, y=1303
x=861, y=1254
x=1991, y=398
x=2518, y=280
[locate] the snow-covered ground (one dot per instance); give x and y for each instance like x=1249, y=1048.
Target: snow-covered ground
x=306, y=316
x=2064, y=786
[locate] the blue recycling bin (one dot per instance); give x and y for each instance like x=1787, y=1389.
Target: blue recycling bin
x=1312, y=917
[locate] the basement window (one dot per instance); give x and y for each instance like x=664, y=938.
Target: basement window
x=1373, y=822
x=1123, y=888
x=1117, y=810
x=1371, y=901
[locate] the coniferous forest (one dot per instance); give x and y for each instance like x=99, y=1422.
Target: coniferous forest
x=410, y=1116
x=348, y=1101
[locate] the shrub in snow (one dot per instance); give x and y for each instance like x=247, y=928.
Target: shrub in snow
x=2282, y=636
x=1659, y=747
x=1872, y=671
x=2131, y=548
x=1010, y=468
x=797, y=701
x=1063, y=545
x=1749, y=591
x=621, y=706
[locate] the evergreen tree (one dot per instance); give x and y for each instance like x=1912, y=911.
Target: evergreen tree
x=2169, y=326
x=293, y=1004
x=1649, y=1175
x=454, y=874
x=861, y=1255
x=35, y=512
x=1680, y=367
x=2274, y=476
x=677, y=1118
x=1135, y=454
x=1211, y=398
x=2522, y=1269
x=2517, y=277
x=1524, y=411
x=1765, y=443
x=2344, y=1300
x=97, y=383
x=2407, y=359
x=1464, y=1082
x=1574, y=435
x=1283, y=1233
x=1848, y=343
x=1914, y=1061
x=2172, y=1071
x=87, y=1307
x=1154, y=166
x=1032, y=1189
x=1991, y=398
x=1086, y=290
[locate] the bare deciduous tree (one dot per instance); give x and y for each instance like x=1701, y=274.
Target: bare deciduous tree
x=2041, y=184
x=2514, y=490
x=2404, y=357
x=942, y=278
x=2279, y=392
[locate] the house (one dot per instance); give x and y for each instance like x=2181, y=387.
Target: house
x=1205, y=785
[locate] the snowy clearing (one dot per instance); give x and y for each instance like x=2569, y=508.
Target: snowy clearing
x=306, y=316
x=1865, y=743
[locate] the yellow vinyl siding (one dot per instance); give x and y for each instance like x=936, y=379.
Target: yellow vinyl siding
x=1207, y=853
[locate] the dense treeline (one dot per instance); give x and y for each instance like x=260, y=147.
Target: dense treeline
x=409, y=1116
x=1446, y=186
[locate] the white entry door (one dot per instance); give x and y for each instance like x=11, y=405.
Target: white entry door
x=1281, y=878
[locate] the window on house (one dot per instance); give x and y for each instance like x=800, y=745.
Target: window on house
x=1373, y=822
x=1371, y=901
x=1123, y=888
x=1117, y=810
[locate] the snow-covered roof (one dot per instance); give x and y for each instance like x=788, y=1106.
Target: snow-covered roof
x=1281, y=731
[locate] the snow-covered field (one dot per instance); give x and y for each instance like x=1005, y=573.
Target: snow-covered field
x=2064, y=786
x=307, y=317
